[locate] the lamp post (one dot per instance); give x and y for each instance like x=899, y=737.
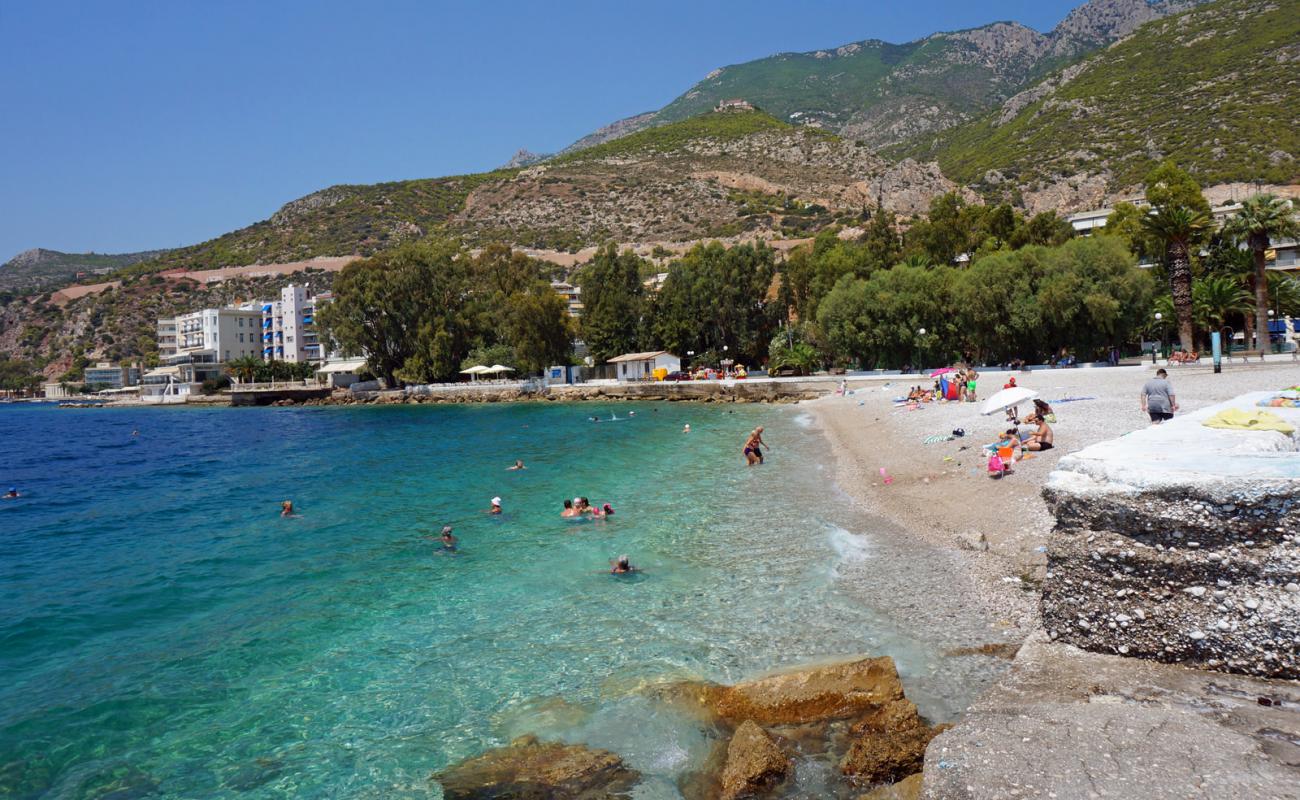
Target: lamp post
x=1268, y=336
x=920, y=368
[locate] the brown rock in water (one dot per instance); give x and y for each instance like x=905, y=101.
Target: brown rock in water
x=888, y=756
x=533, y=770
x=895, y=716
x=907, y=789
x=1006, y=650
x=834, y=691
x=755, y=765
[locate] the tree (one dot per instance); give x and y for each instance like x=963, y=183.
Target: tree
x=1168, y=186
x=1216, y=298
x=1262, y=218
x=244, y=368
x=716, y=297
x=612, y=303
x=538, y=326
x=407, y=309
x=1177, y=227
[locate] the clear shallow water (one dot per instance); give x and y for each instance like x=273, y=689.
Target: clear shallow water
x=164, y=633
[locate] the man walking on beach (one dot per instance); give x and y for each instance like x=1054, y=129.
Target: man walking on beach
x=1158, y=398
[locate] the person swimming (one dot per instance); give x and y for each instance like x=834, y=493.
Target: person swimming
x=569, y=511
x=686, y=428
x=286, y=509
x=448, y=540
x=12, y=494
x=621, y=566
x=496, y=506
x=519, y=464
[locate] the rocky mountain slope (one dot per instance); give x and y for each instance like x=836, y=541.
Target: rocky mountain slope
x=1215, y=89
x=714, y=175
x=882, y=93
x=36, y=269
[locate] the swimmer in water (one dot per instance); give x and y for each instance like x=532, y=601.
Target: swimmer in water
x=12, y=494
x=135, y=432
x=496, y=506
x=569, y=511
x=686, y=428
x=518, y=465
x=286, y=509
x=621, y=566
x=448, y=541
x=605, y=510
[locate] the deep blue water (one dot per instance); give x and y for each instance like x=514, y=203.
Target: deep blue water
x=164, y=633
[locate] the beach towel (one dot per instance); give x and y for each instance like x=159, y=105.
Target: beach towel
x=1069, y=400
x=1240, y=420
x=1280, y=401
x=936, y=438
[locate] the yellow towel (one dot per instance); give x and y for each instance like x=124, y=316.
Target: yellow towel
x=1237, y=419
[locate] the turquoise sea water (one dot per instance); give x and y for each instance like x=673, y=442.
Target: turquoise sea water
x=164, y=633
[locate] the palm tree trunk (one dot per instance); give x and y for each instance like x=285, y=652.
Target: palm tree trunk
x=1257, y=246
x=1180, y=291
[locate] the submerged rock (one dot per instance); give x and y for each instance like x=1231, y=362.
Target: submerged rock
x=755, y=765
x=908, y=788
x=533, y=770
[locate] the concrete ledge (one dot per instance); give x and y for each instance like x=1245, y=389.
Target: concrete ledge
x=1180, y=543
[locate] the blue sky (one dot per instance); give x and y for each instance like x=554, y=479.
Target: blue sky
x=136, y=125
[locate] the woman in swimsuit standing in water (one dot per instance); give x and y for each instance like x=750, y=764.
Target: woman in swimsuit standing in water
x=753, y=455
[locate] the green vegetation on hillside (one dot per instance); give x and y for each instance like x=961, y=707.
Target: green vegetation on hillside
x=1215, y=89
x=39, y=269
x=340, y=220
x=670, y=138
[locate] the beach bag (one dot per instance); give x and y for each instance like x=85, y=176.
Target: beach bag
x=996, y=465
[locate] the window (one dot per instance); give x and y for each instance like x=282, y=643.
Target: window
x=241, y=337
x=241, y=324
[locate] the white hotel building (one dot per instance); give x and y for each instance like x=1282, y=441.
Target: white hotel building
x=288, y=327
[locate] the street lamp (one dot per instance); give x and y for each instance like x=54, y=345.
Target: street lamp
x=1159, y=317
x=920, y=368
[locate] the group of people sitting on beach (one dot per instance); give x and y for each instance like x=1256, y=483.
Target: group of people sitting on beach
x=1184, y=357
x=1011, y=446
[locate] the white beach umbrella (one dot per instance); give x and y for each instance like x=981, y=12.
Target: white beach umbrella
x=476, y=370
x=500, y=368
x=1006, y=399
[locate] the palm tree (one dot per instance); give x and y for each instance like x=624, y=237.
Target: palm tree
x=1262, y=218
x=1217, y=298
x=244, y=368
x=1177, y=227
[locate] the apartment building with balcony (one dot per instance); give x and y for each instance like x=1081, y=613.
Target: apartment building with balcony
x=166, y=338
x=288, y=327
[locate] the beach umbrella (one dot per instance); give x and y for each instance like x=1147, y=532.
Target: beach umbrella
x=477, y=370
x=500, y=368
x=1006, y=399
x=943, y=371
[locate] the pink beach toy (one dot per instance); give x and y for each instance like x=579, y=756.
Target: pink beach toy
x=888, y=478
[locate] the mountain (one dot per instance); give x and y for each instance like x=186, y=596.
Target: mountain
x=715, y=175
x=1215, y=89
x=882, y=93
x=36, y=269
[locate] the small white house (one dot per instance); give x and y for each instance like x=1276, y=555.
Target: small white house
x=642, y=366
